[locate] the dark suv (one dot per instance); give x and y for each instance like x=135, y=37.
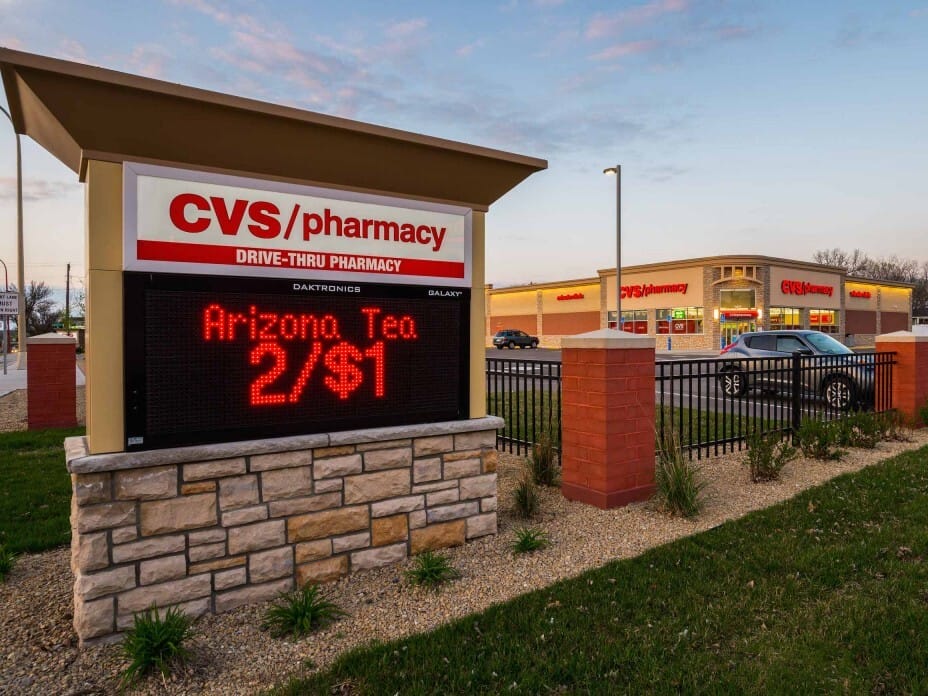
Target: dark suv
x=510, y=338
x=833, y=371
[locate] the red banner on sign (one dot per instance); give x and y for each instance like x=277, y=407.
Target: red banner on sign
x=248, y=257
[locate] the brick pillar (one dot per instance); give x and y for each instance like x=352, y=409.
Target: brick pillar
x=50, y=381
x=607, y=418
x=910, y=373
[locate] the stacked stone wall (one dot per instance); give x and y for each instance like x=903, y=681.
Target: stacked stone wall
x=186, y=527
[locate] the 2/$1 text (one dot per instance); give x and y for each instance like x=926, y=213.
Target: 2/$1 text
x=346, y=366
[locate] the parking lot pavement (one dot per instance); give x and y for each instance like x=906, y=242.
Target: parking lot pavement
x=16, y=379
x=551, y=354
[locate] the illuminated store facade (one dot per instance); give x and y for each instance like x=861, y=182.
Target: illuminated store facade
x=703, y=304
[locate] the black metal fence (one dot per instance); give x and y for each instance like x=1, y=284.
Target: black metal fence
x=711, y=406
x=527, y=394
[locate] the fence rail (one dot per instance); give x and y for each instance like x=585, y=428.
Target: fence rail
x=711, y=406
x=527, y=395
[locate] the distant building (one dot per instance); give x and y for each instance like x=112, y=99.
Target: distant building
x=703, y=304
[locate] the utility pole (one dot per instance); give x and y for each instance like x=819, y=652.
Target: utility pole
x=67, y=302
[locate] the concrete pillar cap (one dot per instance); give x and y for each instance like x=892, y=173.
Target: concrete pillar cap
x=607, y=338
x=47, y=338
x=903, y=337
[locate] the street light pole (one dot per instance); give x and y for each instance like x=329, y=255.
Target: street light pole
x=616, y=171
x=6, y=320
x=21, y=274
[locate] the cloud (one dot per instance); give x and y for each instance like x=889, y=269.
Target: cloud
x=662, y=173
x=854, y=33
x=611, y=25
x=467, y=49
x=631, y=48
x=73, y=50
x=36, y=189
x=149, y=60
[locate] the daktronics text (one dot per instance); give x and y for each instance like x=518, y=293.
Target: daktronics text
x=193, y=213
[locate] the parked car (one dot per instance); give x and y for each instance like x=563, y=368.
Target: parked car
x=510, y=338
x=842, y=378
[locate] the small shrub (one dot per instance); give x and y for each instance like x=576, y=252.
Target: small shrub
x=530, y=539
x=300, y=612
x=678, y=481
x=893, y=427
x=543, y=460
x=816, y=439
x=525, y=498
x=767, y=455
x=858, y=430
x=431, y=570
x=7, y=561
x=156, y=643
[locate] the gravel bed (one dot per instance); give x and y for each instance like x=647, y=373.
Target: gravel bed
x=233, y=655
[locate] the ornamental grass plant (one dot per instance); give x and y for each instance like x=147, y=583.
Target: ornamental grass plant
x=300, y=612
x=529, y=539
x=7, y=561
x=678, y=480
x=156, y=643
x=431, y=570
x=525, y=499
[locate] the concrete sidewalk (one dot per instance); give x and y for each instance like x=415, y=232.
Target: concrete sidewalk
x=16, y=379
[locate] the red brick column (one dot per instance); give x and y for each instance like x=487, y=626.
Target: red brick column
x=607, y=418
x=910, y=373
x=50, y=381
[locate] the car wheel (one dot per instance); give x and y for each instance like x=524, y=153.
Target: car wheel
x=511, y=345
x=733, y=383
x=839, y=393
x=534, y=344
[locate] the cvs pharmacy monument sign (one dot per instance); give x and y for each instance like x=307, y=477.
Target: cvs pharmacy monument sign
x=284, y=343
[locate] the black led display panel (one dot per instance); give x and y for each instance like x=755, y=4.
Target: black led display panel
x=219, y=359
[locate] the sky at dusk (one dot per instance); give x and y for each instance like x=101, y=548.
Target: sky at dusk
x=772, y=128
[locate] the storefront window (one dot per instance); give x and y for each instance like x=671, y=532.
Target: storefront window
x=736, y=299
x=679, y=320
x=824, y=320
x=785, y=318
x=635, y=321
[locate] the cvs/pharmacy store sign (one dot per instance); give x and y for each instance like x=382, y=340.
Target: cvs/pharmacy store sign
x=183, y=221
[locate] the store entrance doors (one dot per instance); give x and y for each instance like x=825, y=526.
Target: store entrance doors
x=732, y=329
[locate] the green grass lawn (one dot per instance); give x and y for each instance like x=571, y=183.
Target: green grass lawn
x=35, y=490
x=825, y=593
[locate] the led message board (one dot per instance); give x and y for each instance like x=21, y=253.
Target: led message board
x=218, y=359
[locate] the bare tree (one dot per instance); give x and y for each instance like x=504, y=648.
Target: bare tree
x=41, y=310
x=854, y=263
x=890, y=268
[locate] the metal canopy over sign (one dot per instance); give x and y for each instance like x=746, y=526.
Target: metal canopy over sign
x=182, y=221
x=9, y=304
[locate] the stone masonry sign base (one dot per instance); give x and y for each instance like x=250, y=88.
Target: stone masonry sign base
x=211, y=528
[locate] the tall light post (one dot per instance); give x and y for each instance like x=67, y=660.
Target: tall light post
x=21, y=274
x=6, y=321
x=616, y=171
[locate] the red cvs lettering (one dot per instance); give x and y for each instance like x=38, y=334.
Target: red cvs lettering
x=193, y=213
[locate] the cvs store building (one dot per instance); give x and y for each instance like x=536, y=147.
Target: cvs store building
x=703, y=304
